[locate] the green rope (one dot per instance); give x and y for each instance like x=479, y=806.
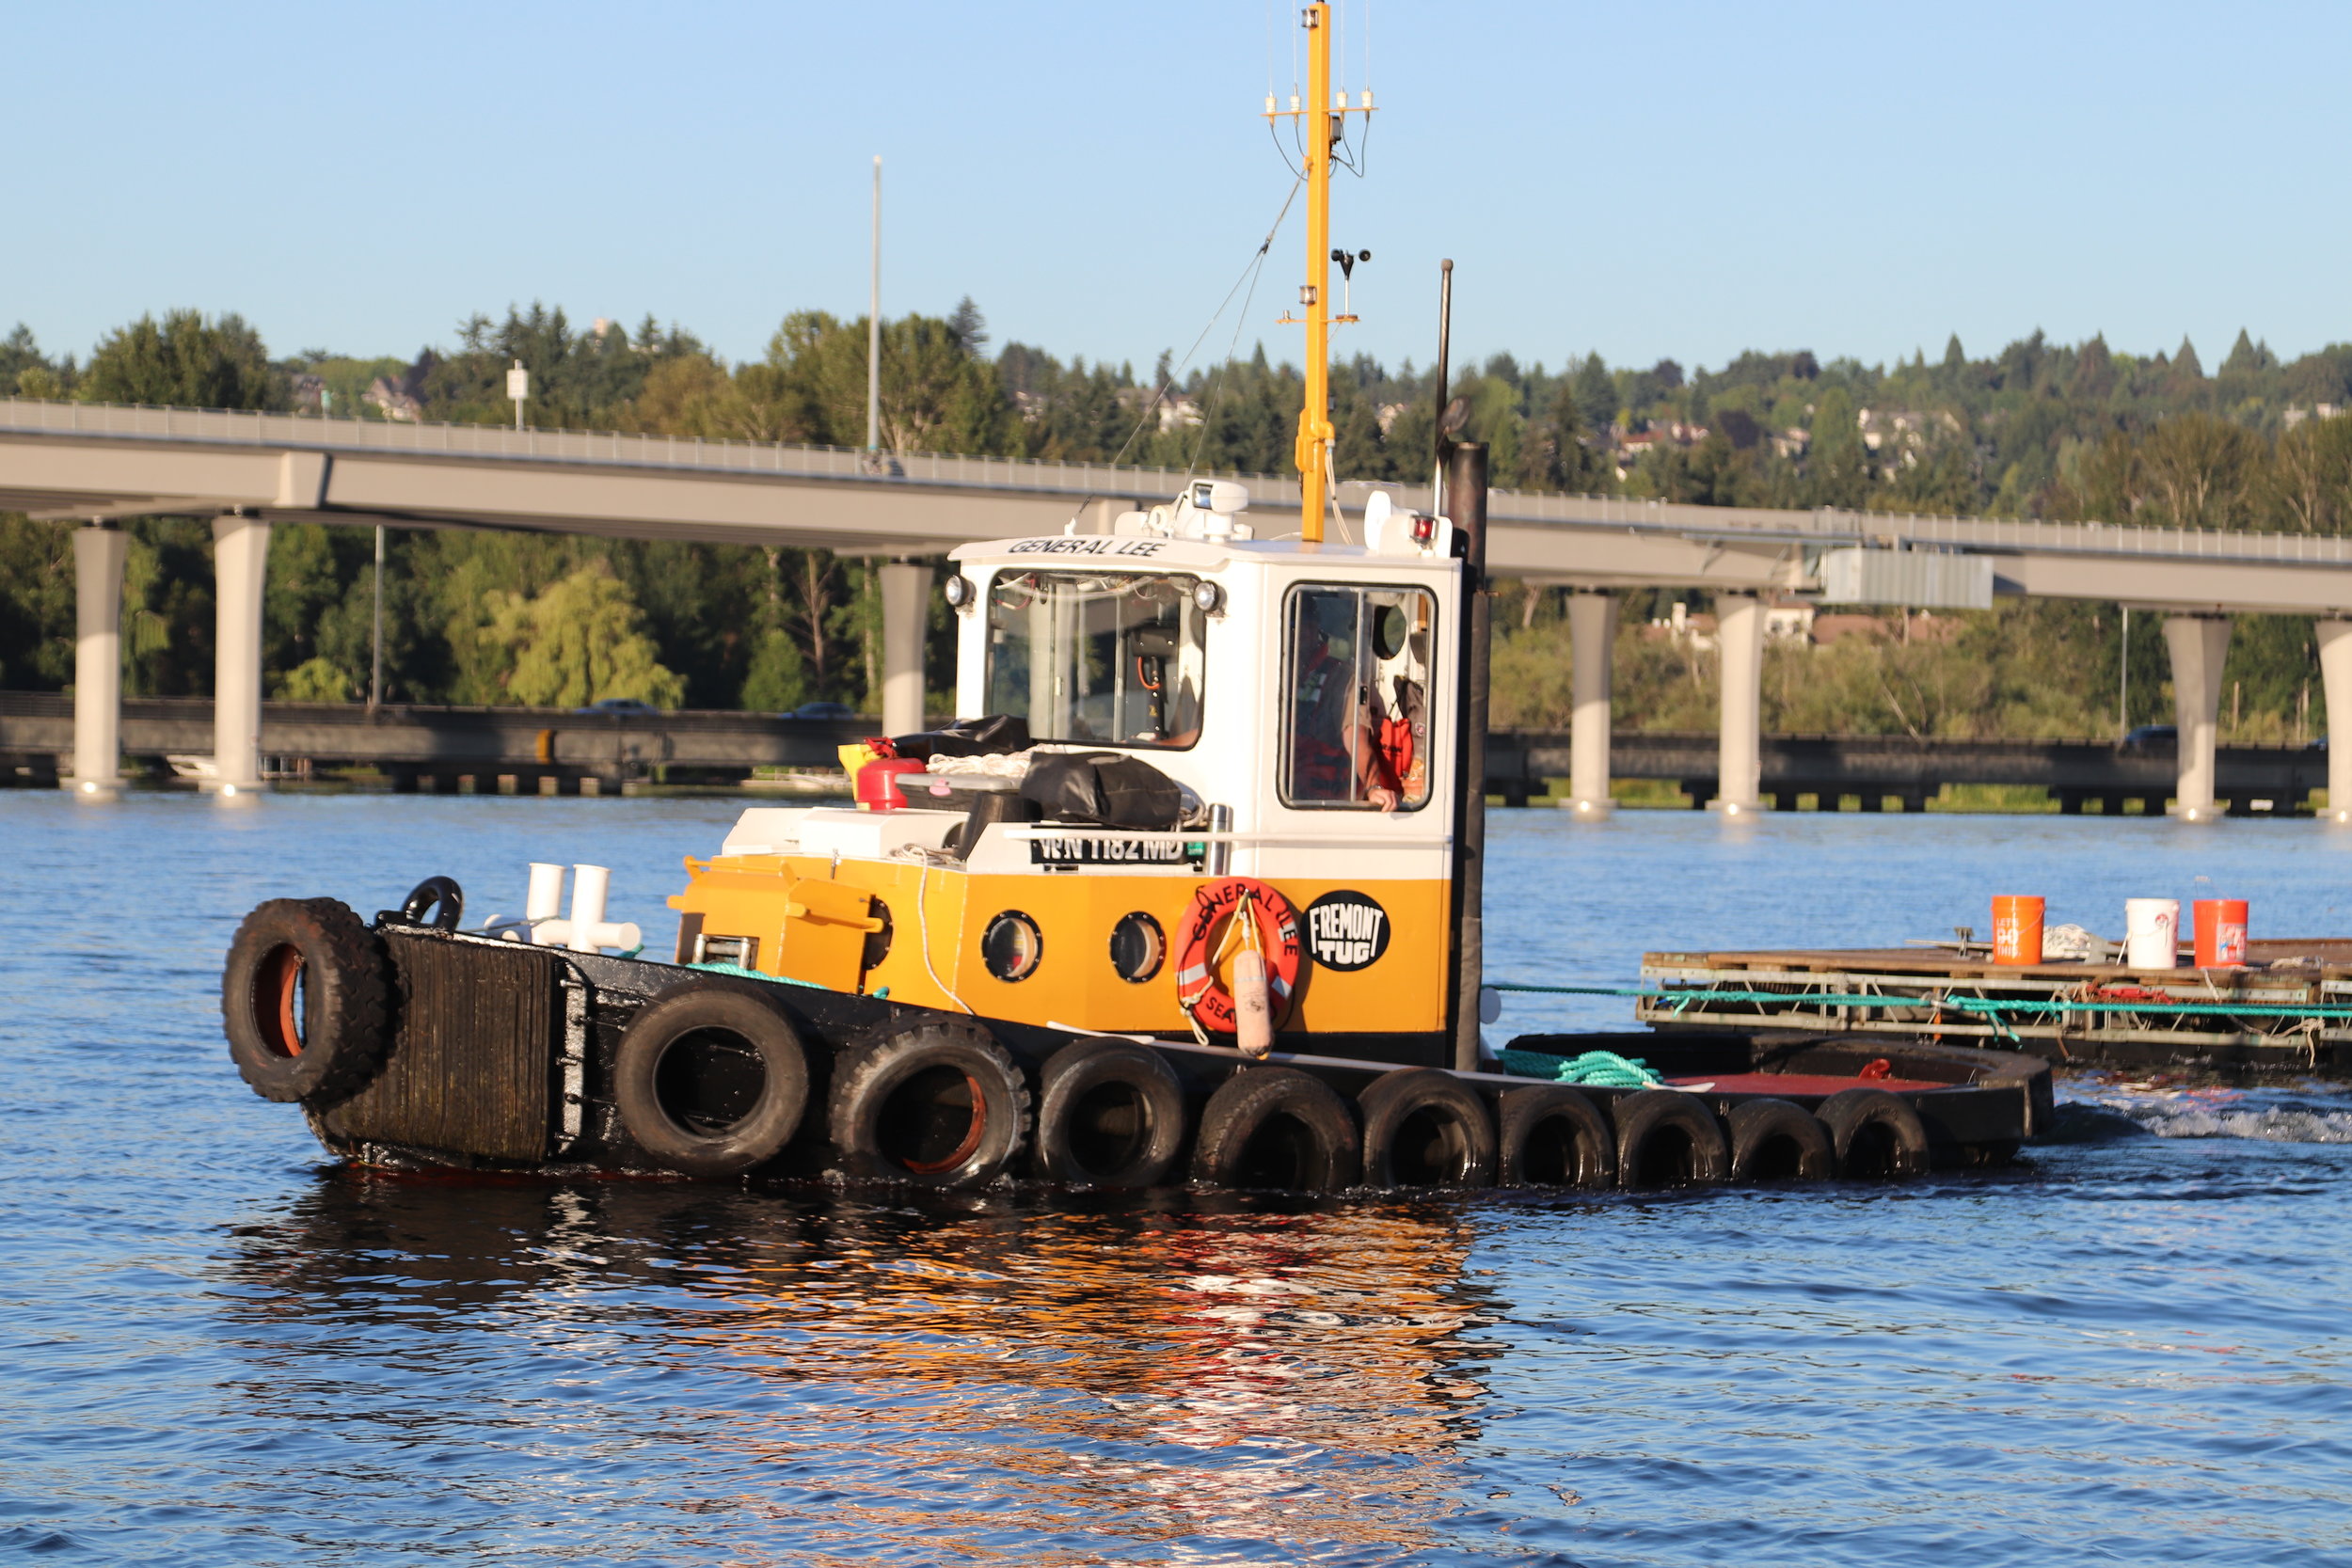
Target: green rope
x=1684, y=999
x=1603, y=1070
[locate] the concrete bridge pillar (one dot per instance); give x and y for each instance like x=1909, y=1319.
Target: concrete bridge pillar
x=240, y=564
x=906, y=596
x=1740, y=763
x=98, y=553
x=2198, y=644
x=1592, y=642
x=2335, y=673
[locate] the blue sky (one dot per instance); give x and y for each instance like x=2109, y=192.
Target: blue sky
x=1643, y=180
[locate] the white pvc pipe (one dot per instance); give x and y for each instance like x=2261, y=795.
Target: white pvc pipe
x=546, y=892
x=590, y=884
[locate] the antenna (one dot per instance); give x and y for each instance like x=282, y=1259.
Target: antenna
x=1445, y=349
x=873, y=328
x=1323, y=118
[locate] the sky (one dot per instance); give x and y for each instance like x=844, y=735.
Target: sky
x=1643, y=182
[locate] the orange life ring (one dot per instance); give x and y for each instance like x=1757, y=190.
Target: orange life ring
x=1197, y=989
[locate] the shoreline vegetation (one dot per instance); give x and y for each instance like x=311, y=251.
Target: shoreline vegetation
x=2040, y=429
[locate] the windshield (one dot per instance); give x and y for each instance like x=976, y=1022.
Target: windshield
x=1104, y=656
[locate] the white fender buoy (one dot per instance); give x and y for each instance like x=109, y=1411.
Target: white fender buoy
x=1253, y=1013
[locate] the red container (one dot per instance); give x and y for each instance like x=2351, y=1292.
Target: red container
x=2016, y=929
x=2220, y=932
x=879, y=783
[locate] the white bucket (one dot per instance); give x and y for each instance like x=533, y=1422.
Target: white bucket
x=2151, y=933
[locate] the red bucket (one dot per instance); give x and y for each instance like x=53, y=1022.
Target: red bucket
x=2220, y=932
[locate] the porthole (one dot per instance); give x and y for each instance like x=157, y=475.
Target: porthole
x=1011, y=946
x=1138, y=947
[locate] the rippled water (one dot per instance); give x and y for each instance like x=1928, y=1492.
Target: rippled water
x=215, y=1349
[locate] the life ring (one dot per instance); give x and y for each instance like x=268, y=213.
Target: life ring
x=1197, y=989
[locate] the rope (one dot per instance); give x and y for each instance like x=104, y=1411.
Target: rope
x=1601, y=1069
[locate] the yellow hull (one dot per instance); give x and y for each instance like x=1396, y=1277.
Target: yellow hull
x=810, y=921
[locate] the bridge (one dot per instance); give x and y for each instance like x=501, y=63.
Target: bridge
x=557, y=750
x=95, y=463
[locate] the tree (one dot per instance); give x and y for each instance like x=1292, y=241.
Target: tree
x=779, y=676
x=186, y=361
x=2308, y=487
x=1558, y=456
x=580, y=642
x=2200, y=470
x=1837, y=465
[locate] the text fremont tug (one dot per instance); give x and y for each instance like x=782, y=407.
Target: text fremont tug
x=1199, y=901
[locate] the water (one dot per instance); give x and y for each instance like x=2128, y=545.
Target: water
x=215, y=1349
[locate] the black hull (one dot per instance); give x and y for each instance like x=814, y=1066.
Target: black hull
x=503, y=1060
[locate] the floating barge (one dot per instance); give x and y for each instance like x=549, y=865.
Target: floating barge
x=2288, y=1007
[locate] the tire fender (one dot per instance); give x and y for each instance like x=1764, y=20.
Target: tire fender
x=939, y=1105
x=650, y=1099
x=1667, y=1123
x=1305, y=1135
x=1778, y=1140
x=1875, y=1133
x=1404, y=1104
x=306, y=1001
x=1089, y=1081
x=1553, y=1128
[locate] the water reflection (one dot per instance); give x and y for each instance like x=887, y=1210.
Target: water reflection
x=977, y=1375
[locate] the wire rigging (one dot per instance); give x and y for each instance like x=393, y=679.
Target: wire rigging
x=1248, y=276
x=1257, y=267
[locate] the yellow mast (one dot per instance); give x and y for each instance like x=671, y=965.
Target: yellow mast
x=1323, y=118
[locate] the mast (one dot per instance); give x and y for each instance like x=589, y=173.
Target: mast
x=1323, y=120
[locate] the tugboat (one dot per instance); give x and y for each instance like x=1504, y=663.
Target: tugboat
x=1197, y=899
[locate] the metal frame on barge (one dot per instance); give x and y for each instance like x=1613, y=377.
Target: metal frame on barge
x=2288, y=1007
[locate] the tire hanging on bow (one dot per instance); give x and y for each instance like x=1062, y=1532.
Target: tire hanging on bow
x=1223, y=914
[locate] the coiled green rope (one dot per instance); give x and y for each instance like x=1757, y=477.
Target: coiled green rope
x=1600, y=1069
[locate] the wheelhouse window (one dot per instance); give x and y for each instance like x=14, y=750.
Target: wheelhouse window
x=1356, y=709
x=1108, y=658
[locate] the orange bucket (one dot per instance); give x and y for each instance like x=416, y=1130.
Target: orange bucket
x=2016, y=929
x=2220, y=932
